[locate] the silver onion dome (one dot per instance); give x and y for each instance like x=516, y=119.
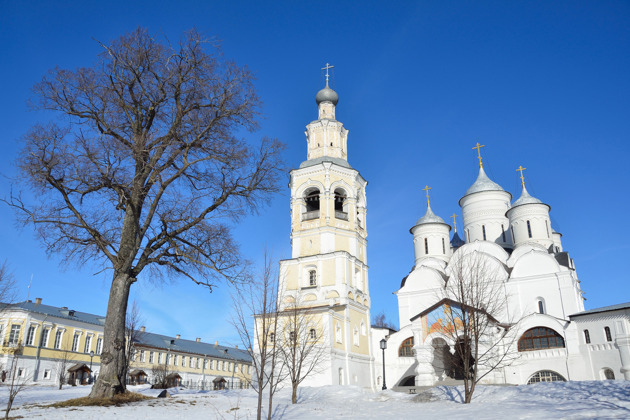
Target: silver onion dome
x=327, y=95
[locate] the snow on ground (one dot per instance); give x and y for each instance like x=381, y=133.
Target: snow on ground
x=561, y=400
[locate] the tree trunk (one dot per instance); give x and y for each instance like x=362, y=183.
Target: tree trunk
x=111, y=378
x=294, y=385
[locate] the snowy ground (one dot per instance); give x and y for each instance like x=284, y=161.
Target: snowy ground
x=567, y=400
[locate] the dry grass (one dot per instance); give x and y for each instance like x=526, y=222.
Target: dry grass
x=117, y=400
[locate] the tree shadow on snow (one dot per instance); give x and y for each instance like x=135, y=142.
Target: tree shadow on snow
x=452, y=393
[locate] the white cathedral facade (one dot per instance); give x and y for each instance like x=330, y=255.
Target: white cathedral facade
x=555, y=338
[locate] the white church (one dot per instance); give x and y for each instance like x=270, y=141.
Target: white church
x=555, y=339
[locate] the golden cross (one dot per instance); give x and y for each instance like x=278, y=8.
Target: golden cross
x=521, y=169
x=478, y=147
x=328, y=66
x=454, y=221
x=427, y=188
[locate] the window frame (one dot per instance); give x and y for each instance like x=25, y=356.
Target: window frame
x=540, y=338
x=406, y=347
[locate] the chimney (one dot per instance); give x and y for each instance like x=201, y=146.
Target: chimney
x=198, y=340
x=177, y=336
x=38, y=301
x=142, y=329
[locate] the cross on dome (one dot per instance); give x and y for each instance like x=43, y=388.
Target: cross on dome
x=327, y=67
x=478, y=147
x=427, y=188
x=454, y=222
x=521, y=169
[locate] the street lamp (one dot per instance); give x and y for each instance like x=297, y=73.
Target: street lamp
x=91, y=356
x=383, y=347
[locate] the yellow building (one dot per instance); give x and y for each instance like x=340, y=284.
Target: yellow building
x=42, y=341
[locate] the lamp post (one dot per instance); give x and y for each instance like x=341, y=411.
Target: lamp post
x=91, y=356
x=383, y=347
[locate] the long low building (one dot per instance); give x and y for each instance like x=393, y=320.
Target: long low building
x=45, y=343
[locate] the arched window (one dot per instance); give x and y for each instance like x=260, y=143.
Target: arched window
x=609, y=374
x=340, y=204
x=503, y=233
x=467, y=235
x=312, y=278
x=311, y=199
x=312, y=334
x=355, y=336
x=587, y=337
x=363, y=329
x=545, y=376
x=512, y=230
x=483, y=230
x=406, y=348
x=547, y=226
x=338, y=332
x=272, y=337
x=292, y=337
x=541, y=307
x=443, y=247
x=529, y=229
x=608, y=335
x=540, y=338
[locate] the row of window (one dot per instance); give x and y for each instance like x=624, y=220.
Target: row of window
x=189, y=361
x=312, y=335
x=426, y=246
x=529, y=231
x=14, y=336
x=607, y=333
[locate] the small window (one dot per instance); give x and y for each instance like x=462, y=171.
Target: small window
x=355, y=336
x=151, y=357
x=608, y=335
x=467, y=235
x=88, y=343
x=609, y=374
x=58, y=337
x=443, y=247
x=312, y=334
x=426, y=246
x=406, y=348
x=547, y=226
x=272, y=337
x=312, y=278
x=45, y=335
x=545, y=376
x=503, y=233
x=75, y=342
x=159, y=360
x=292, y=336
x=587, y=337
x=30, y=336
x=183, y=361
x=483, y=230
x=21, y=372
x=338, y=333
x=529, y=229
x=47, y=374
x=512, y=230
x=142, y=356
x=99, y=345
x=541, y=307
x=14, y=335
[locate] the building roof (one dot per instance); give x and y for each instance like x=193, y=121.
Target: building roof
x=144, y=338
x=337, y=161
x=430, y=217
x=483, y=183
x=456, y=241
x=603, y=309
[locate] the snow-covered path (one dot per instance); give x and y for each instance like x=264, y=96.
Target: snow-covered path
x=569, y=400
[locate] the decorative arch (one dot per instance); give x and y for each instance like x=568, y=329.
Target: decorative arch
x=350, y=295
x=332, y=294
x=540, y=338
x=541, y=306
x=408, y=381
x=607, y=374
x=310, y=297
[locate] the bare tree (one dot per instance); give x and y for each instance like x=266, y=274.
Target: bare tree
x=259, y=300
x=133, y=335
x=63, y=362
x=380, y=320
x=475, y=299
x=17, y=379
x=160, y=374
x=302, y=343
x=7, y=285
x=147, y=171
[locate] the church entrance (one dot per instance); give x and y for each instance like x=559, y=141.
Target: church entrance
x=448, y=364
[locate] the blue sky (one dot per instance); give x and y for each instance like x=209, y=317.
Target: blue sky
x=545, y=85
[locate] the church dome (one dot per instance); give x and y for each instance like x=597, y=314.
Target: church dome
x=525, y=198
x=327, y=95
x=483, y=183
x=456, y=242
x=430, y=217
